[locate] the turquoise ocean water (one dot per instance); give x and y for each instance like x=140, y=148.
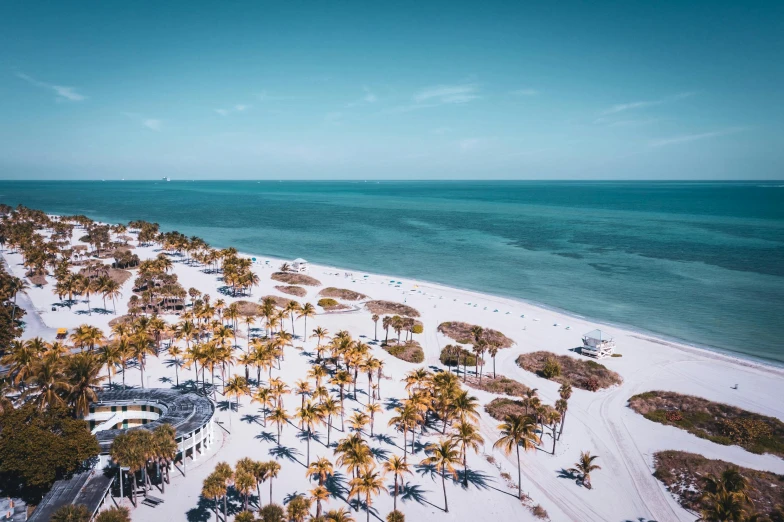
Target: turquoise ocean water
x=700, y=262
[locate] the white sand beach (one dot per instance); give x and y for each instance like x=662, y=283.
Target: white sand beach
x=599, y=422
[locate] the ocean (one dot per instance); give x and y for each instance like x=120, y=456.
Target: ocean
x=693, y=261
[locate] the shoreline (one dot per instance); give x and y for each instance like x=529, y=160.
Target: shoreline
x=679, y=344
x=682, y=345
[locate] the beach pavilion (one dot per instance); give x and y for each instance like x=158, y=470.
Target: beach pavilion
x=299, y=265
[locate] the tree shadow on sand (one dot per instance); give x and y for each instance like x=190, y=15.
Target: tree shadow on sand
x=250, y=419
x=226, y=405
x=475, y=478
x=392, y=403
x=289, y=454
x=203, y=511
x=267, y=436
x=336, y=485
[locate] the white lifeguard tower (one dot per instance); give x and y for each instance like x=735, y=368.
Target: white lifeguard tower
x=299, y=265
x=598, y=344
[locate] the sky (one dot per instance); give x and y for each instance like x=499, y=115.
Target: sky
x=392, y=90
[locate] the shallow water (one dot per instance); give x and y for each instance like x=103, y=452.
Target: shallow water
x=701, y=262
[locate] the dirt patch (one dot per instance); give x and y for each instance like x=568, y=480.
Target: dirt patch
x=391, y=308
x=717, y=422
x=295, y=279
x=292, y=290
x=280, y=302
x=248, y=308
x=684, y=476
x=409, y=351
x=500, y=384
x=586, y=375
x=342, y=293
x=461, y=332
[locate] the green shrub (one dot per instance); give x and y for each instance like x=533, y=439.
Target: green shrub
x=417, y=329
x=327, y=302
x=551, y=369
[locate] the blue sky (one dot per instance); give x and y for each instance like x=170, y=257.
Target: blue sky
x=394, y=90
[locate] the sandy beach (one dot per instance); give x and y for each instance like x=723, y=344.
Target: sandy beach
x=599, y=422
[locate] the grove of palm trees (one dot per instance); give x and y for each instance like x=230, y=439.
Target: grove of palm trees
x=317, y=418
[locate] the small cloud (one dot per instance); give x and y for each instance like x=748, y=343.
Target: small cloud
x=622, y=107
x=153, y=124
x=468, y=144
x=237, y=108
x=63, y=93
x=686, y=138
x=333, y=118
x=524, y=92
x=447, y=94
x=368, y=97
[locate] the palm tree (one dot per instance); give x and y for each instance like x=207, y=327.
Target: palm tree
x=279, y=417
x=372, y=409
x=165, y=442
x=396, y=516
x=565, y=392
x=398, y=467
x=443, y=456
x=339, y=515
x=723, y=506
x=111, y=289
x=308, y=416
x=83, y=371
x=369, y=483
x=273, y=468
x=307, y=310
x=585, y=466
x=127, y=452
x=48, y=383
x=226, y=474
x=516, y=431
x=291, y=308
x=244, y=483
x=319, y=494
x=375, y=319
x=237, y=387
x=214, y=488
x=329, y=408
x=175, y=352
x=467, y=435
x=342, y=378
x=322, y=468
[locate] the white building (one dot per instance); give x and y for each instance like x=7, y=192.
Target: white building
x=598, y=344
x=299, y=265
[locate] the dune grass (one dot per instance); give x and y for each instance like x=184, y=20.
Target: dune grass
x=297, y=291
x=461, y=332
x=717, y=422
x=684, y=476
x=409, y=351
x=295, y=279
x=583, y=374
x=391, y=308
x=342, y=293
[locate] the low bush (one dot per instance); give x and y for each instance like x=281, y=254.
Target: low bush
x=327, y=302
x=409, y=351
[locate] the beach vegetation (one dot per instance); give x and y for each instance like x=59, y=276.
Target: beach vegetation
x=114, y=514
x=551, y=369
x=391, y=308
x=466, y=333
x=294, y=290
x=409, y=351
x=717, y=422
x=327, y=302
x=720, y=490
x=342, y=293
x=586, y=375
x=295, y=279
x=499, y=384
x=71, y=513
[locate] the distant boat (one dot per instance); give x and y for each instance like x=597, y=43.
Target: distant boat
x=166, y=179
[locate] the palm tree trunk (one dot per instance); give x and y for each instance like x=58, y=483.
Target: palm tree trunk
x=519, y=475
x=563, y=421
x=394, y=498
x=271, y=489
x=443, y=483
